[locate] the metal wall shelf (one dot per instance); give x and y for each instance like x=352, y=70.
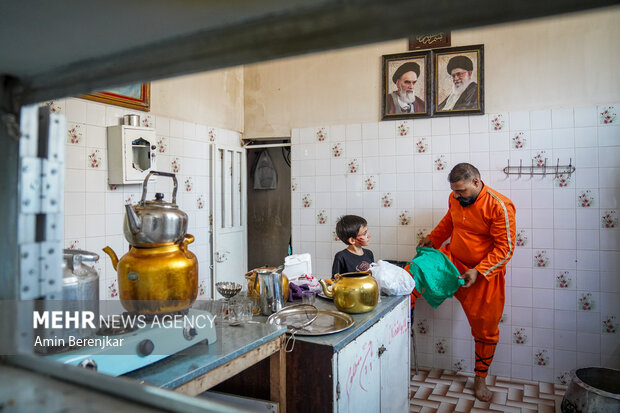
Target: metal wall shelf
x=543, y=170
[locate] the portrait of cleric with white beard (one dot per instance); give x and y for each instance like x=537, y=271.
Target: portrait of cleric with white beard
x=408, y=81
x=458, y=88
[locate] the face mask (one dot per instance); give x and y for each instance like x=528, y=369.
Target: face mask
x=465, y=202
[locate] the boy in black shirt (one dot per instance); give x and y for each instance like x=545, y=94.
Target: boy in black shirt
x=353, y=231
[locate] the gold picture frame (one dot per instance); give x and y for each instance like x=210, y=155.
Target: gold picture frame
x=134, y=96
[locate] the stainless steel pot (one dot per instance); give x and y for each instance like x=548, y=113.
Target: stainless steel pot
x=80, y=293
x=79, y=282
x=155, y=223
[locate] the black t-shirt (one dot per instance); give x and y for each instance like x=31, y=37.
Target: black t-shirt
x=345, y=261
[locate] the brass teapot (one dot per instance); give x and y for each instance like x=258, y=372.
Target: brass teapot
x=353, y=292
x=157, y=280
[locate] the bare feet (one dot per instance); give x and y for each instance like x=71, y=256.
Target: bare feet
x=481, y=390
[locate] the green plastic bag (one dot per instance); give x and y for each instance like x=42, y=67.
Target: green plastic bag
x=436, y=278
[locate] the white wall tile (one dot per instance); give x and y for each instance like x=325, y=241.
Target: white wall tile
x=387, y=147
x=563, y=138
x=609, y=156
x=353, y=132
x=540, y=119
x=585, y=116
x=440, y=144
x=370, y=130
x=422, y=127
x=541, y=139
x=562, y=118
x=543, y=298
x=440, y=126
x=609, y=136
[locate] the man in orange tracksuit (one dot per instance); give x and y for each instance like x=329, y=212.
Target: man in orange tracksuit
x=481, y=224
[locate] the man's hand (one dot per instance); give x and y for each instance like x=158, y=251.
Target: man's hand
x=470, y=277
x=426, y=242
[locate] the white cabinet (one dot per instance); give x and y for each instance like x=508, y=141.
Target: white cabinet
x=372, y=371
x=131, y=153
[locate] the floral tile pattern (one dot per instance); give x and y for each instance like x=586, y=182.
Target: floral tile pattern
x=521, y=238
x=211, y=134
x=541, y=357
x=74, y=133
x=540, y=159
x=402, y=128
x=585, y=199
x=563, y=280
x=607, y=115
x=94, y=159
x=353, y=166
x=519, y=140
x=421, y=146
x=147, y=121
x=293, y=184
x=541, y=259
x=321, y=134
x=162, y=145
x=519, y=336
x=321, y=217
x=441, y=346
x=497, y=122
x=306, y=201
x=404, y=218
x=562, y=180
x=370, y=183
x=610, y=325
x=440, y=163
x=175, y=166
x=188, y=185
x=387, y=200
x=337, y=150
x=200, y=202
x=54, y=106
x=609, y=219
x=585, y=302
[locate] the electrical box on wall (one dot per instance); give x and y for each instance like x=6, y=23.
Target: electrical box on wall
x=131, y=153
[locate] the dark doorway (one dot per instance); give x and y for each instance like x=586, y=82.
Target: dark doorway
x=269, y=210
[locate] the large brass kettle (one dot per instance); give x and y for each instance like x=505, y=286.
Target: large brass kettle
x=157, y=280
x=353, y=292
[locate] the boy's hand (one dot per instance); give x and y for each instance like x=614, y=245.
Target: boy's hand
x=426, y=242
x=470, y=277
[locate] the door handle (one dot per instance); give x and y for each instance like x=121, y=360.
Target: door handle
x=381, y=350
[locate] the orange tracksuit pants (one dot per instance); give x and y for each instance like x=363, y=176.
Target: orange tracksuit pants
x=483, y=304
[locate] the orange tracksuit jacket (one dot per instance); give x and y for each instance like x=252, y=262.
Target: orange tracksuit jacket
x=483, y=237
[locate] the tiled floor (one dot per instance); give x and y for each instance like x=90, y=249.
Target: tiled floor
x=437, y=390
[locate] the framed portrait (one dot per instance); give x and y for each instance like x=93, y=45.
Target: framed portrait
x=406, y=85
x=458, y=76
x=134, y=96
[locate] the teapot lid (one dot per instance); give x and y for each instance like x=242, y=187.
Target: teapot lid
x=159, y=202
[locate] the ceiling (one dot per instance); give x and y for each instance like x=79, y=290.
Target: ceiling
x=59, y=48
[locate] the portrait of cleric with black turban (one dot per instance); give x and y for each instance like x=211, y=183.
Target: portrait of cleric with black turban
x=408, y=87
x=458, y=82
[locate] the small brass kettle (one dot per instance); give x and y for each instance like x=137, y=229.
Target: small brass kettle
x=353, y=292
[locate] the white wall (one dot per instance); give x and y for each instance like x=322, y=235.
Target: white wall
x=561, y=61
x=214, y=98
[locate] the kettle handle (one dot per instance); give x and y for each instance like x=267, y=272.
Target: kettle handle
x=168, y=174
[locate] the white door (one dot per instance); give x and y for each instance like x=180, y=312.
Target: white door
x=228, y=197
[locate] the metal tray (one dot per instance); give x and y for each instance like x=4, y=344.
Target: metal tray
x=326, y=322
